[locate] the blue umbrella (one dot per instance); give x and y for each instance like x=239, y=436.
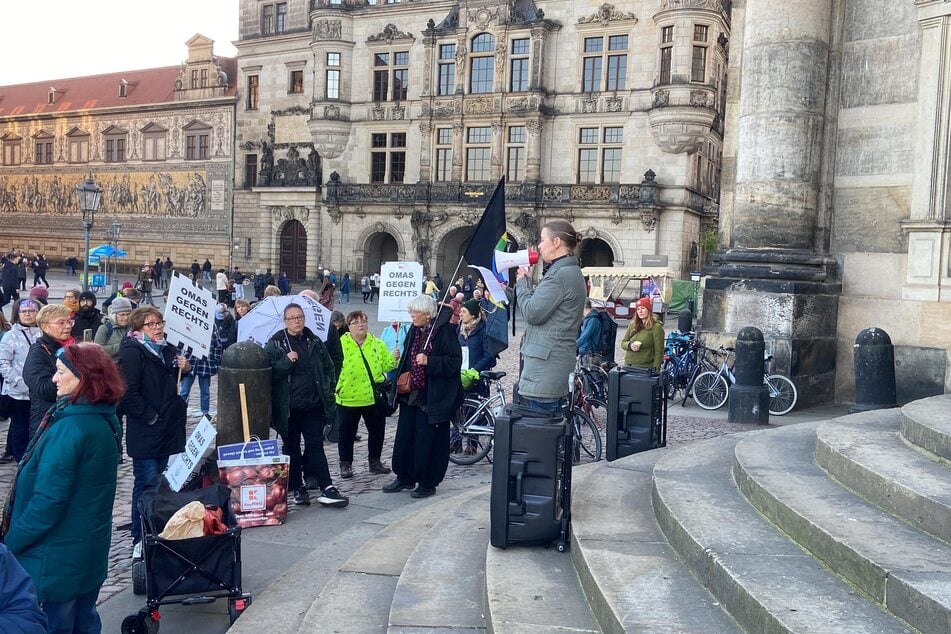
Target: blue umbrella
x=107, y=251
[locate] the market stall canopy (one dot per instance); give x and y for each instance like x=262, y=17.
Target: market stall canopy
x=610, y=282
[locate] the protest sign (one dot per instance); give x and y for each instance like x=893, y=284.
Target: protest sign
x=197, y=448
x=189, y=316
x=400, y=282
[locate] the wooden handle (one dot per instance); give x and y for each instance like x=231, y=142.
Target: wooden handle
x=178, y=385
x=244, y=413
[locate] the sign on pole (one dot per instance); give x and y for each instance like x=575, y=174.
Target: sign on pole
x=189, y=316
x=400, y=282
x=198, y=446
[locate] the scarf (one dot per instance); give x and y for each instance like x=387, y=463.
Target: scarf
x=71, y=304
x=52, y=414
x=155, y=347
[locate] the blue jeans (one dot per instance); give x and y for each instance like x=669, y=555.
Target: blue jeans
x=144, y=473
x=76, y=616
x=548, y=406
x=204, y=390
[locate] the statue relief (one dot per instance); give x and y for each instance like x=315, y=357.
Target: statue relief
x=605, y=15
x=327, y=30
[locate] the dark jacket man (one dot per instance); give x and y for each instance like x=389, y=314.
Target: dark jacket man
x=38, y=370
x=87, y=317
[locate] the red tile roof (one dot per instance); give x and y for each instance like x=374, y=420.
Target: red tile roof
x=149, y=86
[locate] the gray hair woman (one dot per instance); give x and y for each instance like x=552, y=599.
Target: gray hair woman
x=431, y=361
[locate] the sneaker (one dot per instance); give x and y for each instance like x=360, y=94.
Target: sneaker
x=137, y=550
x=422, y=492
x=301, y=497
x=331, y=497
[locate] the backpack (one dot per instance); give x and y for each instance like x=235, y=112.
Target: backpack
x=607, y=342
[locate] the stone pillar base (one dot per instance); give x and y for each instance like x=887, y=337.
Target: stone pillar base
x=787, y=296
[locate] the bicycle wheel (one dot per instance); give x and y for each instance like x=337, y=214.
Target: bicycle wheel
x=669, y=372
x=587, y=438
x=597, y=410
x=710, y=390
x=470, y=443
x=782, y=394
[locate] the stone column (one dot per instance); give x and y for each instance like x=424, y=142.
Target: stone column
x=775, y=275
x=458, y=129
x=496, y=159
x=425, y=151
x=533, y=151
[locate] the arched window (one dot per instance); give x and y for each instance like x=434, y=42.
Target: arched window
x=482, y=63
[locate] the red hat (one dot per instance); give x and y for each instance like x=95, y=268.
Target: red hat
x=646, y=303
x=126, y=285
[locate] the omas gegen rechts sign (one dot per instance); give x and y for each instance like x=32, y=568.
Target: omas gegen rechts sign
x=189, y=316
x=400, y=282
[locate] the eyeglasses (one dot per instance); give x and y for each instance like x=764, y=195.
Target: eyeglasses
x=153, y=324
x=63, y=322
x=297, y=318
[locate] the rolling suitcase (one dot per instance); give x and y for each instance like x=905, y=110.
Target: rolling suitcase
x=637, y=412
x=531, y=480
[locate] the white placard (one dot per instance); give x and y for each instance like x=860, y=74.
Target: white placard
x=217, y=195
x=189, y=316
x=400, y=282
x=198, y=447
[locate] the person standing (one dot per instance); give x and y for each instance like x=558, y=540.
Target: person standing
x=9, y=282
x=206, y=270
x=238, y=278
x=21, y=273
x=472, y=336
x=303, y=382
x=374, y=286
x=55, y=322
x=226, y=325
x=345, y=288
x=196, y=270
x=260, y=283
x=552, y=312
x=71, y=264
x=114, y=327
x=145, y=285
x=394, y=336
x=366, y=360
x=643, y=341
x=167, y=271
x=60, y=520
x=154, y=413
x=157, y=273
x=365, y=287
x=589, y=340
x=326, y=295
x=433, y=358
x=14, y=348
x=40, y=267
x=88, y=317
x=284, y=284
x=221, y=285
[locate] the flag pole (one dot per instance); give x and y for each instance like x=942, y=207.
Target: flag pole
x=456, y=272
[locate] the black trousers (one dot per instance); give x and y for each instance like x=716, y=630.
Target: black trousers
x=420, y=450
x=349, y=421
x=306, y=424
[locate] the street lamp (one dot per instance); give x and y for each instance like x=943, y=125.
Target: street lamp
x=89, y=197
x=114, y=237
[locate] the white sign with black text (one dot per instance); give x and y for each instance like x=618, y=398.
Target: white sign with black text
x=189, y=316
x=400, y=282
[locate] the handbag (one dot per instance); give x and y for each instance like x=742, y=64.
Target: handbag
x=381, y=391
x=404, y=383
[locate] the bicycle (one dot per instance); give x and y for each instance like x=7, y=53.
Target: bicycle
x=712, y=389
x=473, y=427
x=587, y=443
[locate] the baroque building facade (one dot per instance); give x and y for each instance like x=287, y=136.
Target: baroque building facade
x=369, y=132
x=158, y=142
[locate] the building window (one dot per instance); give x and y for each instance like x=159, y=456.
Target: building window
x=297, y=82
x=388, y=157
x=44, y=150
x=267, y=19
x=153, y=140
x=482, y=63
x=12, y=151
x=252, y=92
x=518, y=81
x=333, y=75
x=446, y=84
x=281, y=25
x=599, y=154
x=515, y=154
x=123, y=89
x=700, y=32
x=666, y=53
x=204, y=78
x=79, y=148
x=196, y=141
x=478, y=153
x=389, y=67
x=443, y=154
x=698, y=60
x=115, y=148
x=250, y=170
x=594, y=62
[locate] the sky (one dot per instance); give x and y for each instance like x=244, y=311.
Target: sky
x=59, y=39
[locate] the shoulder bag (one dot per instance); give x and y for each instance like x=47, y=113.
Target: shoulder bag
x=381, y=391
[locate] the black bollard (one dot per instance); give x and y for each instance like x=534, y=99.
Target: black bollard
x=874, y=357
x=245, y=363
x=685, y=320
x=749, y=396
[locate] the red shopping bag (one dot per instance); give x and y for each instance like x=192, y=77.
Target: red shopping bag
x=258, y=489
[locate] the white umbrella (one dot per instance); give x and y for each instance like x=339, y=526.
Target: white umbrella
x=267, y=317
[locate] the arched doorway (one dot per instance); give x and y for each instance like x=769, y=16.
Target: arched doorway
x=595, y=252
x=381, y=247
x=294, y=251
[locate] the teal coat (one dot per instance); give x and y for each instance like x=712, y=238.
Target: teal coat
x=323, y=374
x=61, y=521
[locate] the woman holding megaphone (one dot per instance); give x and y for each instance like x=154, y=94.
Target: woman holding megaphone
x=552, y=311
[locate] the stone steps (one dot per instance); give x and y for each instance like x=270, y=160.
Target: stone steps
x=927, y=424
x=892, y=562
x=765, y=581
x=866, y=453
x=633, y=581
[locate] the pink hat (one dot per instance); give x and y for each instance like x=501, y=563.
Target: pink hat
x=39, y=293
x=126, y=285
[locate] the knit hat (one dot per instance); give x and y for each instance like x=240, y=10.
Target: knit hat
x=126, y=285
x=40, y=294
x=88, y=295
x=472, y=306
x=646, y=303
x=120, y=305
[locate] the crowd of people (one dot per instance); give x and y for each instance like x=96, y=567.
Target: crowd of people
x=73, y=372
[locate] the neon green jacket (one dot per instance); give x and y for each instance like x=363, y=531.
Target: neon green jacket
x=353, y=386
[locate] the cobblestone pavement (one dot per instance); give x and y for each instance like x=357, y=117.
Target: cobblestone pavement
x=682, y=429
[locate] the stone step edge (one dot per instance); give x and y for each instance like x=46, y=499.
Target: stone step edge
x=735, y=596
x=904, y=602
x=922, y=426
x=890, y=495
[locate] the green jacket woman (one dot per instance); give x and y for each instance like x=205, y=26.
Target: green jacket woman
x=643, y=342
x=353, y=387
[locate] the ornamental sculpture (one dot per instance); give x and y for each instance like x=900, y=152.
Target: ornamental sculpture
x=327, y=30
x=389, y=34
x=606, y=14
